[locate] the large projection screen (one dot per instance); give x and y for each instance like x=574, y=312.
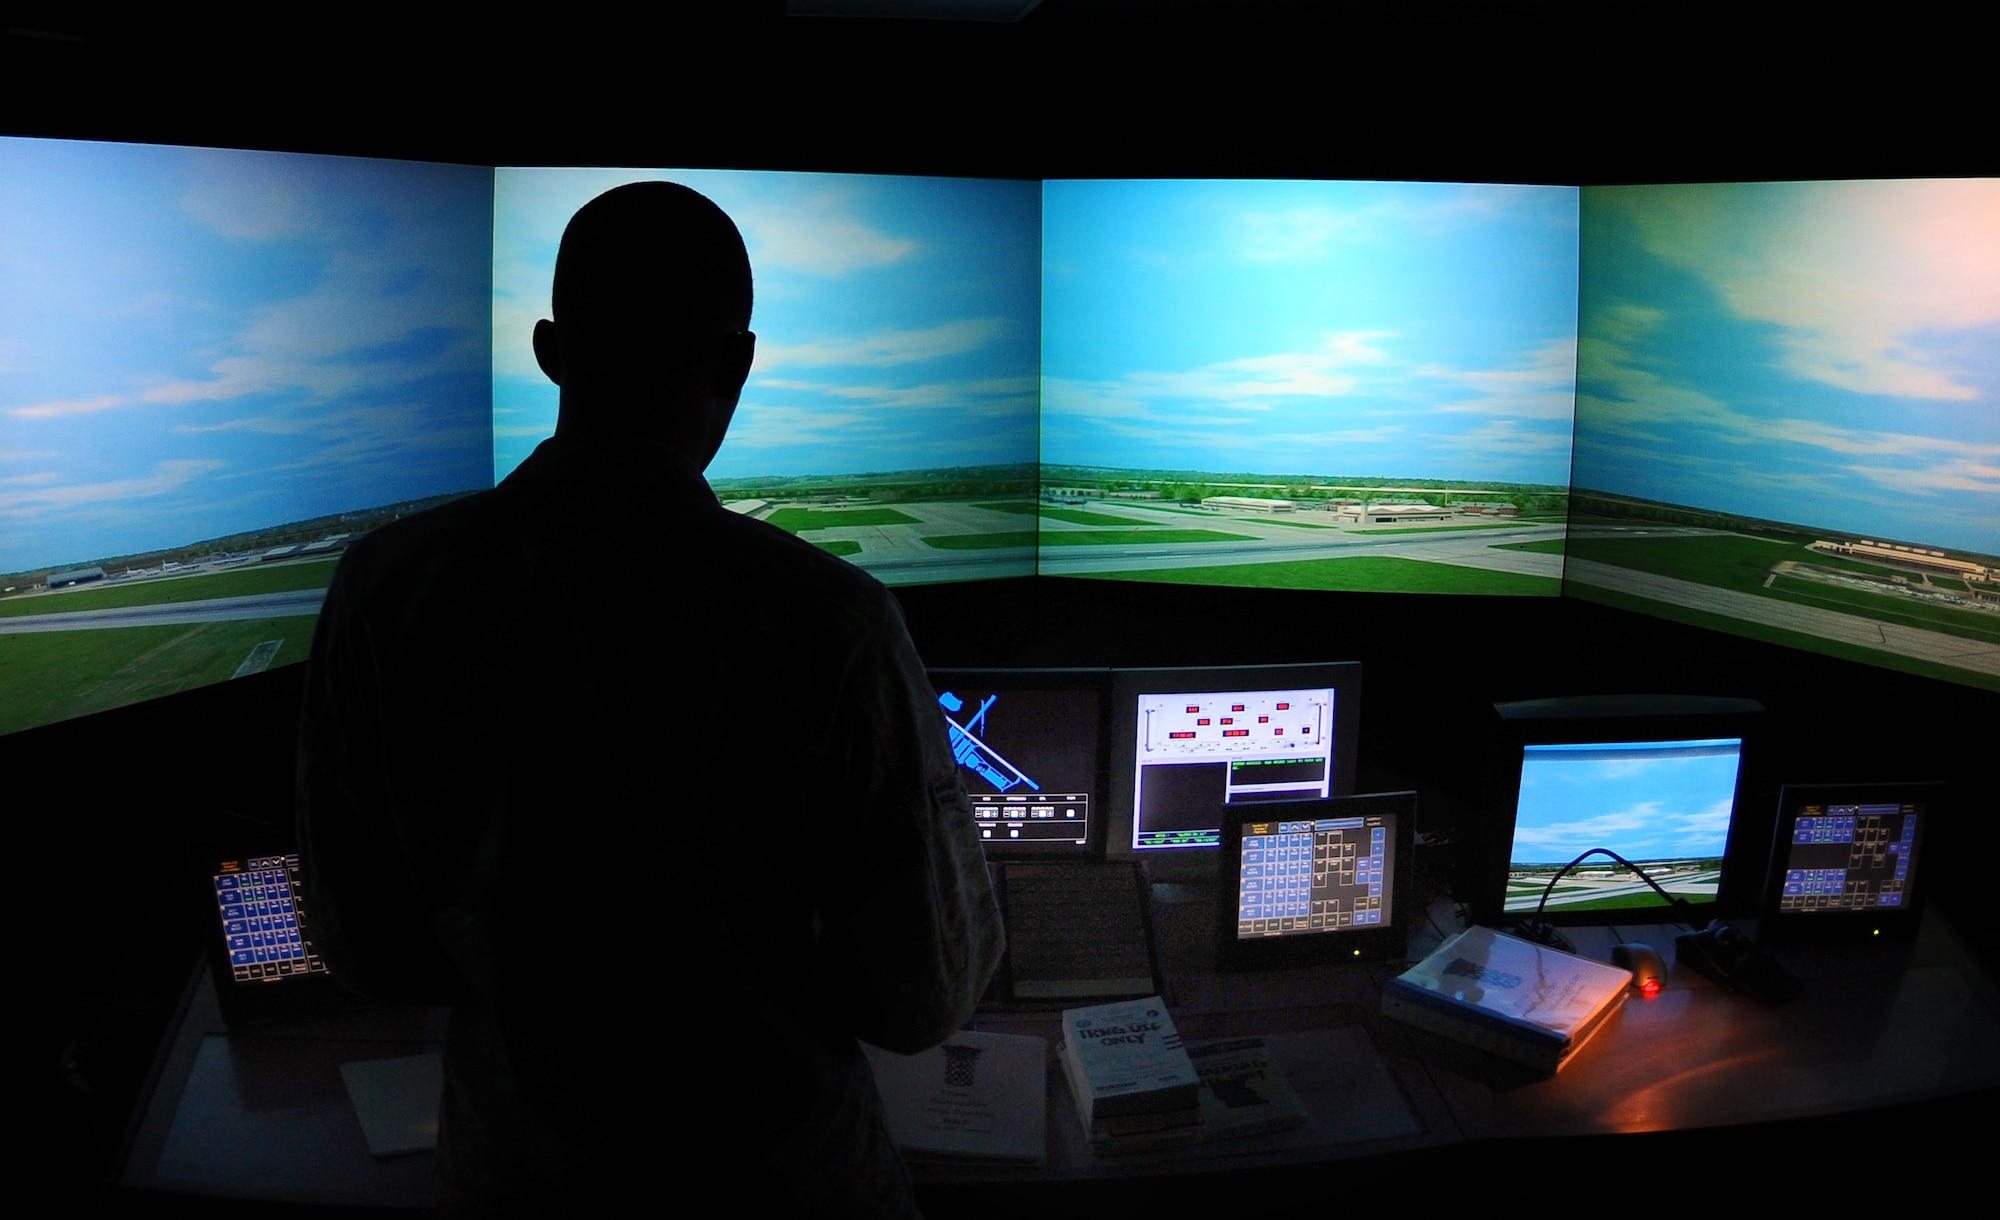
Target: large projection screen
x=1788, y=415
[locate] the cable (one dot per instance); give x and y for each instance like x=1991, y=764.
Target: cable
x=1683, y=913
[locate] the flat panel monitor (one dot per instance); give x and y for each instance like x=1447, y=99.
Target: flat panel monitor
x=1845, y=860
x=1030, y=750
x=1317, y=881
x=1192, y=745
x=1656, y=780
x=1308, y=384
x=1787, y=407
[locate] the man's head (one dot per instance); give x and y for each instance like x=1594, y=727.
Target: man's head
x=650, y=339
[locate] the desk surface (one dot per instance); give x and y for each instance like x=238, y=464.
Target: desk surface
x=264, y=1115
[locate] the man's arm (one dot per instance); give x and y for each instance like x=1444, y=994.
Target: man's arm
x=911, y=934
x=366, y=917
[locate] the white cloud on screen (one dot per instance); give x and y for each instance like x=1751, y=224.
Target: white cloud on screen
x=342, y=336
x=514, y=319
x=1295, y=235
x=816, y=237
x=1543, y=386
x=882, y=348
x=42, y=496
x=258, y=197
x=82, y=406
x=770, y=426
x=1589, y=832
x=1506, y=436
x=1239, y=383
x=1645, y=406
x=1302, y=234
x=1960, y=475
x=1015, y=392
x=1709, y=826
x=1853, y=271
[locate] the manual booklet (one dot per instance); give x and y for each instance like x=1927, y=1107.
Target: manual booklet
x=1126, y=1060
x=1525, y=1002
x=979, y=1097
x=1243, y=1091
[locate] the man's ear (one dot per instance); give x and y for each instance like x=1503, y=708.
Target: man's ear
x=548, y=350
x=733, y=363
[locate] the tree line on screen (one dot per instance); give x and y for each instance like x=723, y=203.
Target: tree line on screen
x=1194, y=486
x=1587, y=504
x=1017, y=480
x=310, y=529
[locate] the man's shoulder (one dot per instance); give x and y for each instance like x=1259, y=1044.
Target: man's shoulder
x=420, y=538
x=631, y=541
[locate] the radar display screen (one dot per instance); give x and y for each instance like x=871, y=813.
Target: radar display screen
x=1028, y=756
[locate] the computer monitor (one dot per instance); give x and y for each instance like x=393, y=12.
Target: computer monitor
x=1190, y=745
x=1316, y=881
x=1654, y=779
x=1030, y=750
x=1845, y=860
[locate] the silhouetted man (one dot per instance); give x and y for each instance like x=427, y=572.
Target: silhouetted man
x=655, y=795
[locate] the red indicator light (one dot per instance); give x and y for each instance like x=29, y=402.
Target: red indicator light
x=1236, y=732
x=1279, y=731
x=1263, y=720
x=1284, y=707
x=1203, y=720
x=1650, y=988
x=1235, y=707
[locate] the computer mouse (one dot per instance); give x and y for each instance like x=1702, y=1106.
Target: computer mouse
x=1649, y=969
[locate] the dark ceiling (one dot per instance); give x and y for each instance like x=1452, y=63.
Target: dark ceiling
x=1517, y=91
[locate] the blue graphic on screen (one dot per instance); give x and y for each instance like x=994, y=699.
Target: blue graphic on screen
x=969, y=747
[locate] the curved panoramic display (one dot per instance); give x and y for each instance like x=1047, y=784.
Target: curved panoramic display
x=1308, y=385
x=1788, y=415
x=217, y=368
x=890, y=415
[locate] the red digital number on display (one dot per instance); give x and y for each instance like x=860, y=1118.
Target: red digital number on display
x=1180, y=736
x=1284, y=707
x=1236, y=732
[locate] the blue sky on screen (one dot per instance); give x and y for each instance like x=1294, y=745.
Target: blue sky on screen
x=1643, y=802
x=1417, y=330
x=195, y=342
x=896, y=318
x=1822, y=353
